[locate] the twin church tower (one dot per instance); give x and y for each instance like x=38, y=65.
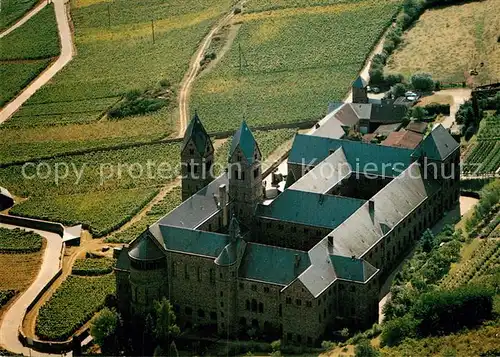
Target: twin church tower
x=243, y=171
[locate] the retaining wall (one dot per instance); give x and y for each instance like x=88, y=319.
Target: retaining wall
x=33, y=224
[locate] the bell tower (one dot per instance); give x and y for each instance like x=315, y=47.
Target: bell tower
x=245, y=175
x=197, y=154
x=360, y=91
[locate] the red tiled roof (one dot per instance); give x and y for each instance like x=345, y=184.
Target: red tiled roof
x=403, y=139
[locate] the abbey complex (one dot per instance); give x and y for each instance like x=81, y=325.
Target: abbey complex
x=233, y=258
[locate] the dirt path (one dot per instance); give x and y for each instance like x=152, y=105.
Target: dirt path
x=193, y=70
x=25, y=18
x=13, y=317
x=460, y=95
x=65, y=36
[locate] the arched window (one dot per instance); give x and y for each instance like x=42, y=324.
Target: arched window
x=248, y=305
x=261, y=307
x=254, y=305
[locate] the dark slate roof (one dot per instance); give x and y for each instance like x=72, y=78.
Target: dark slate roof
x=354, y=269
x=417, y=126
x=387, y=113
x=190, y=241
x=198, y=208
x=123, y=261
x=313, y=149
x=197, y=132
x=245, y=140
x=272, y=264
x=144, y=248
x=309, y=208
x=392, y=203
x=438, y=145
x=386, y=129
x=360, y=82
x=325, y=175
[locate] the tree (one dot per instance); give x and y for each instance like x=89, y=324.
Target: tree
x=365, y=349
x=165, y=328
x=396, y=330
x=428, y=241
x=103, y=329
x=418, y=113
x=399, y=90
x=422, y=82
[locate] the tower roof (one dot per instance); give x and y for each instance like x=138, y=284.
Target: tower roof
x=245, y=140
x=359, y=83
x=145, y=249
x=197, y=132
x=438, y=145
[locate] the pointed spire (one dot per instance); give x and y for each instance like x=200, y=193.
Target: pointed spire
x=197, y=133
x=245, y=140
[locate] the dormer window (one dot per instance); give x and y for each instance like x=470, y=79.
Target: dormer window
x=191, y=151
x=238, y=157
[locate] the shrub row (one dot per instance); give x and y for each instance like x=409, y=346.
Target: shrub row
x=19, y=241
x=93, y=266
x=5, y=296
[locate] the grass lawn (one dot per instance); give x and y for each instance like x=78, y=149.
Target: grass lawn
x=447, y=42
x=13, y=10
x=294, y=61
x=102, y=212
x=38, y=38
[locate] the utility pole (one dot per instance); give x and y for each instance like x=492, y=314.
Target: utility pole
x=153, y=30
x=109, y=16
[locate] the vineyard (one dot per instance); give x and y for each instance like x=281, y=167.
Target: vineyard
x=73, y=304
x=13, y=10
x=19, y=241
x=100, y=212
x=290, y=62
x=484, y=157
x=38, y=40
x=93, y=266
x=160, y=209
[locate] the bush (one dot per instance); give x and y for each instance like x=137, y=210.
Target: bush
x=392, y=79
x=422, y=82
x=365, y=349
x=399, y=90
x=444, y=312
x=436, y=108
x=396, y=330
x=5, y=296
x=328, y=345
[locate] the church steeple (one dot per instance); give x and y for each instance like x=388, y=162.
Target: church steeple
x=245, y=174
x=196, y=158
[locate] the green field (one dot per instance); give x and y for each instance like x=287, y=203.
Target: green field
x=484, y=157
x=294, y=61
x=101, y=212
x=13, y=10
x=27, y=51
x=73, y=304
x=36, y=39
x=93, y=266
x=15, y=76
x=19, y=241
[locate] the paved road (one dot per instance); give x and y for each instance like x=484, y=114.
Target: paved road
x=460, y=95
x=25, y=18
x=64, y=58
x=13, y=317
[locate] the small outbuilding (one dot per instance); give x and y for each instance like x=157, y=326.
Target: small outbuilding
x=6, y=199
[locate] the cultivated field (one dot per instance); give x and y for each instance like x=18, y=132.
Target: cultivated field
x=13, y=10
x=26, y=52
x=73, y=304
x=448, y=42
x=484, y=157
x=293, y=61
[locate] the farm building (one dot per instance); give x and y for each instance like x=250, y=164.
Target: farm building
x=309, y=261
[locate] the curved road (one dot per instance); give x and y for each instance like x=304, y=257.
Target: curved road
x=66, y=55
x=13, y=317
